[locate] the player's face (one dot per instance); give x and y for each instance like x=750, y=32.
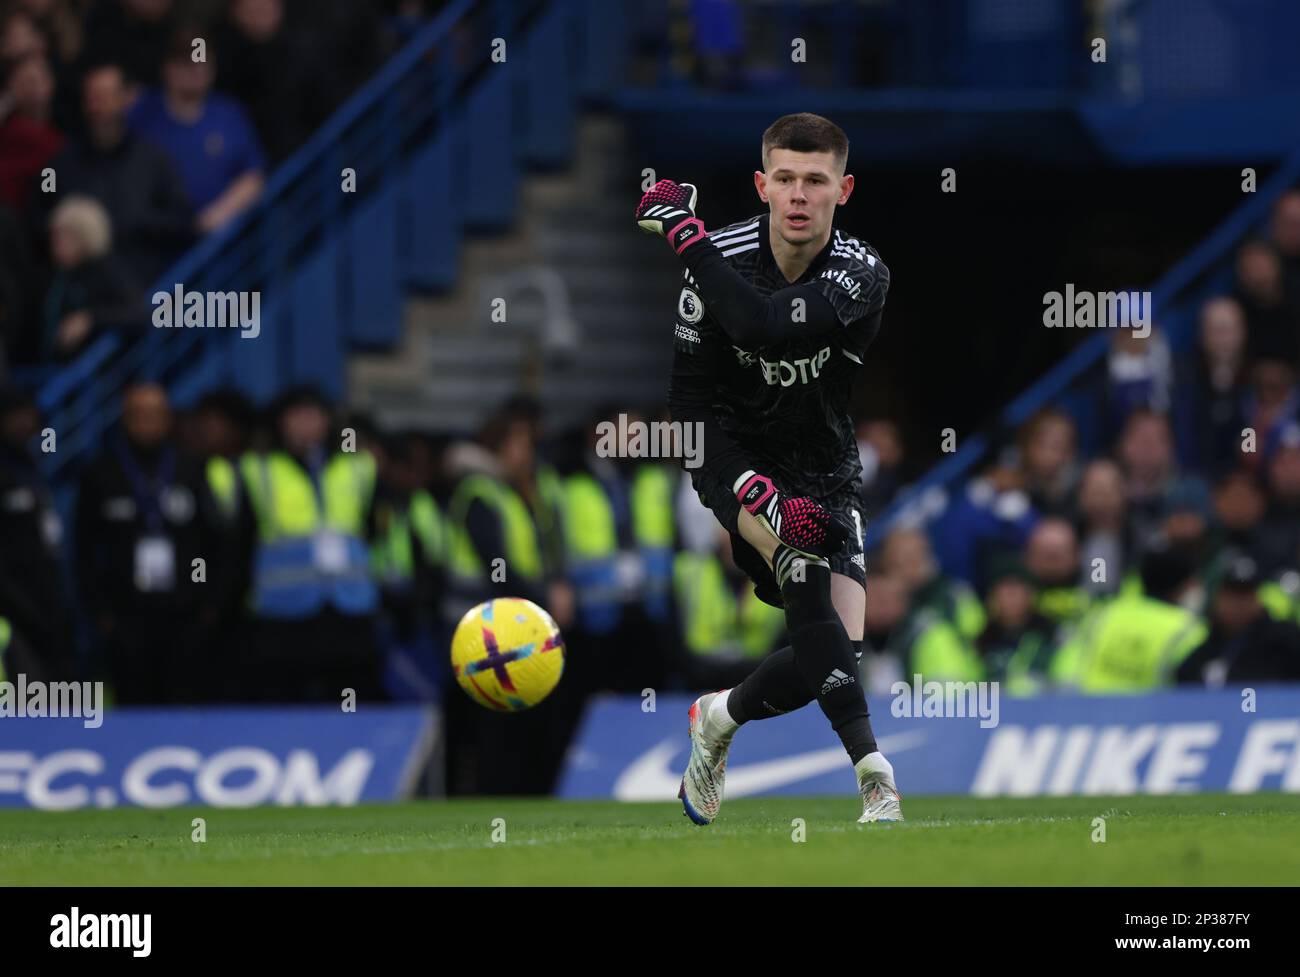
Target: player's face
x=802, y=191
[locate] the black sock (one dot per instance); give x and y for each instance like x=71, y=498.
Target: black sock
x=773, y=688
x=823, y=654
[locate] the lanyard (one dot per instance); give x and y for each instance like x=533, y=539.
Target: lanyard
x=148, y=491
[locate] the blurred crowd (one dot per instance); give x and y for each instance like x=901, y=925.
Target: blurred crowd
x=1170, y=556
x=224, y=554
x=129, y=129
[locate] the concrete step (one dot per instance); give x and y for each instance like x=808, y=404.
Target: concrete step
x=454, y=365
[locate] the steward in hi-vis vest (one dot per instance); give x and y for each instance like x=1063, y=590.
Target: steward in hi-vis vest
x=619, y=541
x=496, y=549
x=725, y=628
x=408, y=556
x=1020, y=640
x=313, y=596
x=1134, y=642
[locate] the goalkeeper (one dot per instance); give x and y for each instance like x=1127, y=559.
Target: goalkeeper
x=774, y=317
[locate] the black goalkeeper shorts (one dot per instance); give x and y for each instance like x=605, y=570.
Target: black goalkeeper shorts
x=843, y=504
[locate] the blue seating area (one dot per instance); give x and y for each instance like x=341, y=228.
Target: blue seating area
x=438, y=141
x=434, y=146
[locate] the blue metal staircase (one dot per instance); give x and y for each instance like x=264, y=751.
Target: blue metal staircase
x=436, y=141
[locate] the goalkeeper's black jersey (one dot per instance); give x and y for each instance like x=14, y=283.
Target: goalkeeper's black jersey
x=787, y=402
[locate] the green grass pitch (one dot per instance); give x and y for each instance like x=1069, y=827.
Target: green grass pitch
x=1173, y=840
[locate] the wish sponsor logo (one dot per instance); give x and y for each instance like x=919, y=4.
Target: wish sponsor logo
x=91, y=931
x=842, y=278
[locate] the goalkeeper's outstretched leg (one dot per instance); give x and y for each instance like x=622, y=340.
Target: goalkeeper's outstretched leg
x=824, y=616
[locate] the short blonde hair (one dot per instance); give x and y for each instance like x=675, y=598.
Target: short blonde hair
x=88, y=220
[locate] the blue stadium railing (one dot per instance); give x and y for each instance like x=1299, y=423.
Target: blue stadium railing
x=1176, y=298
x=436, y=140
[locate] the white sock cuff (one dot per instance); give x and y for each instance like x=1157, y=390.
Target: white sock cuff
x=719, y=717
x=874, y=762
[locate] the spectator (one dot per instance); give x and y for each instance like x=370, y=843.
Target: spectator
x=33, y=600
x=726, y=630
x=408, y=555
x=1134, y=642
x=1270, y=405
x=506, y=456
x=1018, y=643
x=1052, y=560
x=1047, y=461
x=313, y=597
x=1239, y=504
x=28, y=141
x=881, y=452
x=207, y=137
x=18, y=341
x=1245, y=645
x=884, y=657
x=1146, y=453
x=1103, y=531
x=21, y=37
x=1212, y=385
x=907, y=556
x=220, y=433
x=91, y=291
x=1139, y=376
x=987, y=518
x=543, y=491
x=1285, y=231
x=1187, y=527
x=30, y=85
x=619, y=537
x=1261, y=289
x=1280, y=538
x=144, y=515
x=133, y=34
x=149, y=212
x=61, y=22
x=491, y=528
x=275, y=74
